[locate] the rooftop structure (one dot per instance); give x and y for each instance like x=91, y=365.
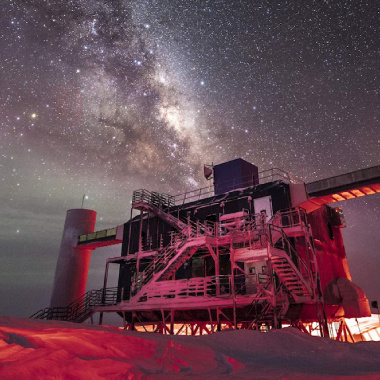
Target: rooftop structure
x=255, y=250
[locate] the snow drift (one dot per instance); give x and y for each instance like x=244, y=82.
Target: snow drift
x=33, y=349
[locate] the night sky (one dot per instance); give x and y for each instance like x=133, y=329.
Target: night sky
x=104, y=97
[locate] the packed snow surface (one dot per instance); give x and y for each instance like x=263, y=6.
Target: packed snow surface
x=33, y=349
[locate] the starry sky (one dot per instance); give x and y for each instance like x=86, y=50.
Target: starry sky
x=102, y=97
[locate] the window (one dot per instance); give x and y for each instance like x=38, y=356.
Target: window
x=252, y=270
x=264, y=269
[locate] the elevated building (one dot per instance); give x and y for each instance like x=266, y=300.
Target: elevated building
x=255, y=250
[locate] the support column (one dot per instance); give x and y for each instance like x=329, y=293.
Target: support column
x=140, y=232
x=105, y=282
x=217, y=270
x=124, y=321
x=272, y=280
x=130, y=232
x=232, y=259
x=172, y=322
x=133, y=322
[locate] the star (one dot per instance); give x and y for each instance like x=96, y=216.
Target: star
x=103, y=98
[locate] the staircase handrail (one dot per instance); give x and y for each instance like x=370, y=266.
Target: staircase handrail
x=160, y=261
x=258, y=299
x=289, y=249
x=80, y=306
x=267, y=306
x=186, y=225
x=48, y=311
x=197, y=228
x=246, y=223
x=162, y=256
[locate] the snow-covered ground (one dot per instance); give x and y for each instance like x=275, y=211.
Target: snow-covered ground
x=31, y=349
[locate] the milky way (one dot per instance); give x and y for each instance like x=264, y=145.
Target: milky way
x=104, y=97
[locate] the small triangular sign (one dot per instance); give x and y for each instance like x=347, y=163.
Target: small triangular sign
x=207, y=171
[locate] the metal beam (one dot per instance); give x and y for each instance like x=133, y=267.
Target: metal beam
x=365, y=178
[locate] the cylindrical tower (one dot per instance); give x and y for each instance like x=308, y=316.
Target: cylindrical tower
x=73, y=263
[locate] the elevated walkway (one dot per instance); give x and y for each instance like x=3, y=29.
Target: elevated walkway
x=345, y=186
x=194, y=303
x=103, y=238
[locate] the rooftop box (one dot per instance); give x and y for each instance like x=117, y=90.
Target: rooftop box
x=235, y=174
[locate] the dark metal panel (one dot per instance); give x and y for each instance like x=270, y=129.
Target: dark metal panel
x=344, y=182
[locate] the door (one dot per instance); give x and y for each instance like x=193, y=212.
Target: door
x=264, y=203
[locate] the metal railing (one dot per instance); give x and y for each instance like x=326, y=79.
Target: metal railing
x=212, y=286
x=273, y=174
x=177, y=241
x=159, y=200
x=264, y=176
x=244, y=223
x=194, y=195
x=278, y=239
x=97, y=235
x=194, y=287
x=265, y=314
x=166, y=200
x=197, y=228
x=290, y=218
x=163, y=201
x=245, y=231
x=81, y=307
x=158, y=263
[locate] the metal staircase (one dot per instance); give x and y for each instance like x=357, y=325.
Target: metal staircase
x=269, y=311
x=80, y=309
x=156, y=203
x=268, y=315
x=292, y=280
x=166, y=271
x=290, y=268
x=168, y=261
x=164, y=265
